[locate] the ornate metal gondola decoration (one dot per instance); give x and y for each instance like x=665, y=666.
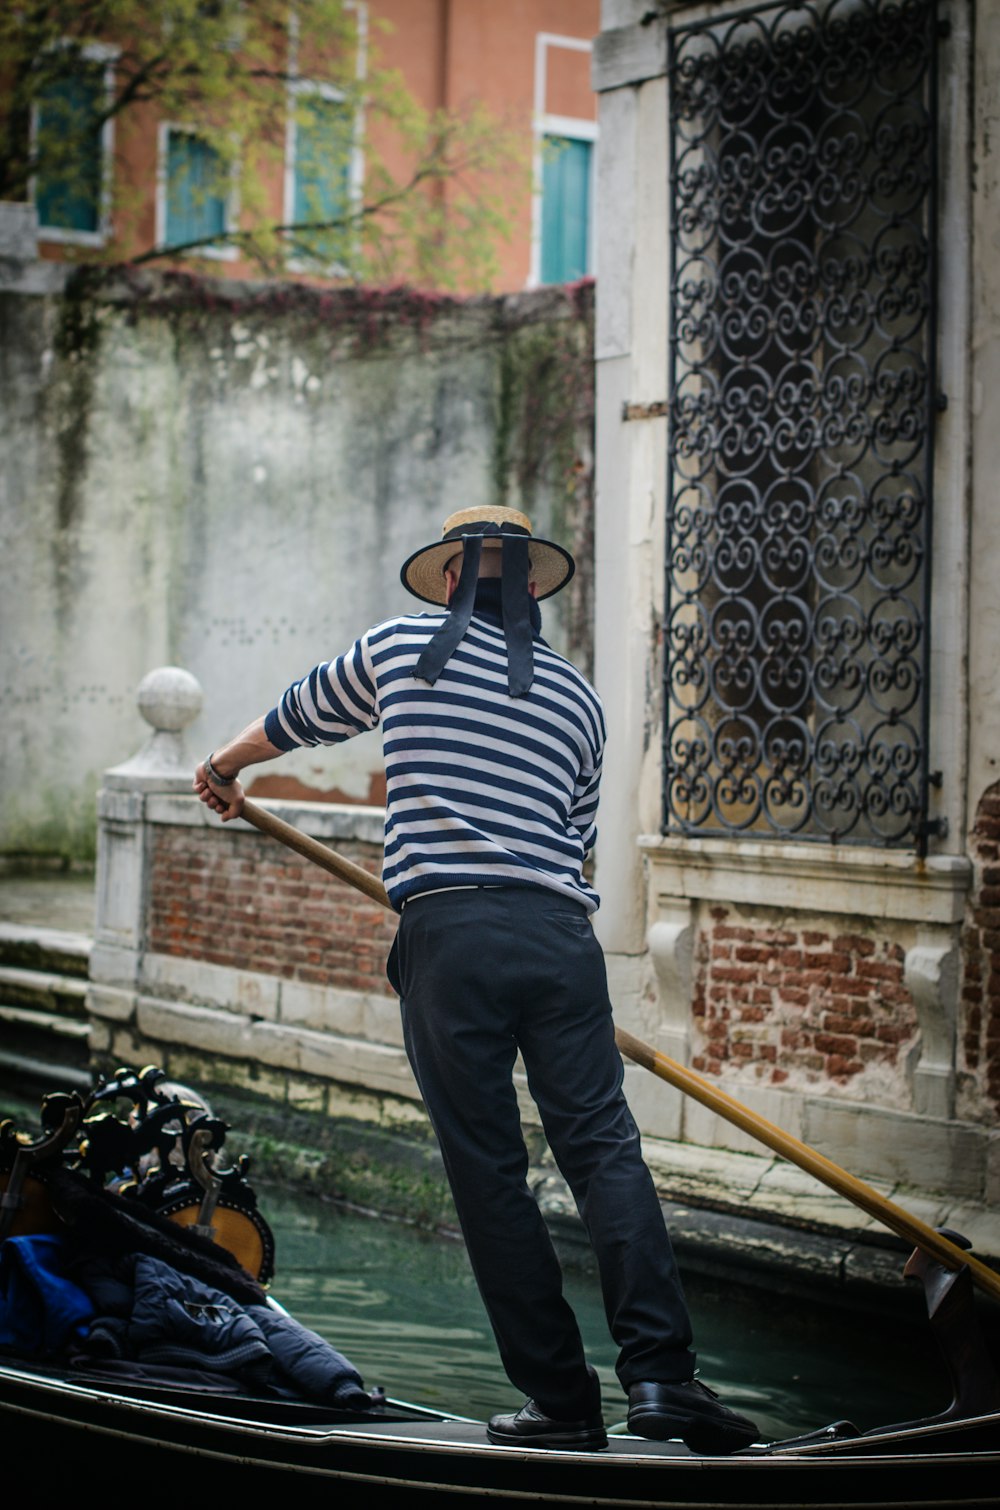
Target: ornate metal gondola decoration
x=163, y=1156
x=801, y=404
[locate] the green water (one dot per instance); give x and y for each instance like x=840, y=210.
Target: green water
x=404, y=1307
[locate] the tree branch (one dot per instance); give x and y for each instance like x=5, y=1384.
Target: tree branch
x=248, y=238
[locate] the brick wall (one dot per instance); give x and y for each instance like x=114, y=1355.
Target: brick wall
x=797, y=1003
x=236, y=899
x=979, y=1039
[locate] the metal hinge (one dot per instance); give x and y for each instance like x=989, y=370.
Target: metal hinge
x=654, y=410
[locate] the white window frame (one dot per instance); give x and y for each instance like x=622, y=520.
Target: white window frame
x=356, y=170
x=226, y=253
x=545, y=125
x=93, y=52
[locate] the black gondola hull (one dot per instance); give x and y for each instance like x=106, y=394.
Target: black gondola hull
x=175, y=1436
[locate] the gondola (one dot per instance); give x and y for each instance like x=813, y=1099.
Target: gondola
x=153, y=1178
x=166, y=1434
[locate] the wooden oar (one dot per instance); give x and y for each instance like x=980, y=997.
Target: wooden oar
x=821, y=1168
x=892, y=1216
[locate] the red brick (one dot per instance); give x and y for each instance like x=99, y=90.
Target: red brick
x=735, y=974
x=854, y=943
x=749, y=953
x=832, y=1043
x=842, y=1068
x=837, y=963
x=834, y=1023
x=876, y=970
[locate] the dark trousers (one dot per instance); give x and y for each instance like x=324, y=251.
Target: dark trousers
x=481, y=974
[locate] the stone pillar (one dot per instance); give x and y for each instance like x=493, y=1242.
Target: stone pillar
x=671, y=942
x=168, y=699
x=931, y=975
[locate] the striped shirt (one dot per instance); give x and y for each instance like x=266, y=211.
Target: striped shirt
x=482, y=789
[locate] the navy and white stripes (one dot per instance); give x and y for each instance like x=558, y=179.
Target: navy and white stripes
x=482, y=788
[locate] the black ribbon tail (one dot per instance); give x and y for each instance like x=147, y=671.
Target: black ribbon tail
x=516, y=603
x=435, y=654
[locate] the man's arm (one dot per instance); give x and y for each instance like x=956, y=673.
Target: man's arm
x=248, y=748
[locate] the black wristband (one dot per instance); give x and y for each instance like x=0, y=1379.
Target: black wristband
x=213, y=774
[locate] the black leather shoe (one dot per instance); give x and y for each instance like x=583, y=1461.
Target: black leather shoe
x=690, y=1411
x=532, y=1427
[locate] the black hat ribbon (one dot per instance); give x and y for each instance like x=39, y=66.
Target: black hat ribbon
x=516, y=612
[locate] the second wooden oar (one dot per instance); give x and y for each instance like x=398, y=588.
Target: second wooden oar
x=821, y=1168
x=892, y=1216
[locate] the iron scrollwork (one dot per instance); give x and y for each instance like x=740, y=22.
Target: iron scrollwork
x=801, y=411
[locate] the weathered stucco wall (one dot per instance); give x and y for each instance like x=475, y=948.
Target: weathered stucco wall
x=229, y=478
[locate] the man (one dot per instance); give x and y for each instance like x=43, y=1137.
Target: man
x=493, y=747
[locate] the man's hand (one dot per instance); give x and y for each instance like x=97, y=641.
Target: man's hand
x=227, y=801
x=248, y=748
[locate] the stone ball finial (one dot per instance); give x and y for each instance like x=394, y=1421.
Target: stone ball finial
x=169, y=699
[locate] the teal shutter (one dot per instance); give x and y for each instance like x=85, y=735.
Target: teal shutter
x=195, y=206
x=565, y=209
x=68, y=182
x=324, y=139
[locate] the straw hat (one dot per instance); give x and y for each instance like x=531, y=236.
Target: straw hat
x=423, y=572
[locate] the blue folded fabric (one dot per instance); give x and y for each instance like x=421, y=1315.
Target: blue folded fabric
x=39, y=1308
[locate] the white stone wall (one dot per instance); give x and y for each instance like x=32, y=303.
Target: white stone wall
x=659, y=894
x=232, y=487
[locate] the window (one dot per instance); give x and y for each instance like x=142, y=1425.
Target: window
x=324, y=172
x=194, y=199
x=73, y=145
x=566, y=177
x=562, y=205
x=802, y=401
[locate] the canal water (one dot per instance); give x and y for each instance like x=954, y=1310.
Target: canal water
x=402, y=1304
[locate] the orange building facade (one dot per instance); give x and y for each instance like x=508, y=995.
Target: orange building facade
x=526, y=62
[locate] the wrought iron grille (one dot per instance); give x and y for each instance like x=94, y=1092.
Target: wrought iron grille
x=801, y=401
